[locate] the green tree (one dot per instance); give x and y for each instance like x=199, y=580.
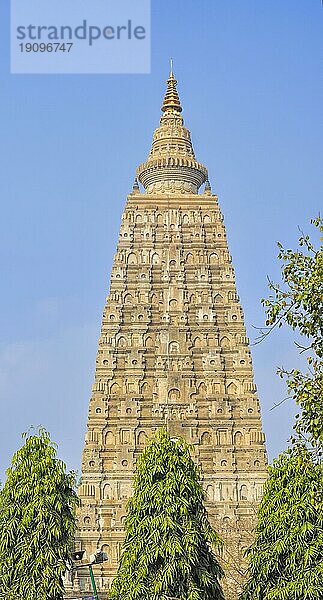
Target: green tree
x=37, y=522
x=286, y=559
x=298, y=303
x=167, y=551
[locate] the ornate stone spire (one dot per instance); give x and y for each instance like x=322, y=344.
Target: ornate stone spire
x=172, y=349
x=171, y=167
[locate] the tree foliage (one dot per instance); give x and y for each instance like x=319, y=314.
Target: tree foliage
x=298, y=303
x=286, y=559
x=167, y=551
x=37, y=523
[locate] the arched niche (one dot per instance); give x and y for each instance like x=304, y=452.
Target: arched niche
x=124, y=490
x=225, y=342
x=142, y=438
x=173, y=347
x=232, y=389
x=122, y=342
x=109, y=439
x=132, y=259
x=202, y=389
x=174, y=394
x=226, y=522
x=107, y=491
x=197, y=342
x=115, y=389
x=206, y=439
x=214, y=259
x=238, y=438
x=149, y=342
x=145, y=388
x=243, y=492
x=209, y=492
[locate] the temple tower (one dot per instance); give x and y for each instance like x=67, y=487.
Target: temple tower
x=172, y=349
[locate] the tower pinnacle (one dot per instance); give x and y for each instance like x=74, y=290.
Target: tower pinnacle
x=171, y=101
x=171, y=167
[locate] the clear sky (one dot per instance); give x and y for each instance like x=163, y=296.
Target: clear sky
x=250, y=81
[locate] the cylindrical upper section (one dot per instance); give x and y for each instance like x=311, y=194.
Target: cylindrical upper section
x=171, y=166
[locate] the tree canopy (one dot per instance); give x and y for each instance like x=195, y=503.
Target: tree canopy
x=37, y=522
x=298, y=303
x=167, y=550
x=286, y=558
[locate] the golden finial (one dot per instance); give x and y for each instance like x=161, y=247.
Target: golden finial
x=171, y=101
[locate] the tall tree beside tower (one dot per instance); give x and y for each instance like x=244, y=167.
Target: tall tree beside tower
x=37, y=522
x=167, y=552
x=286, y=557
x=285, y=560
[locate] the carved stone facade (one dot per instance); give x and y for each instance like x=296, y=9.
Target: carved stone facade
x=173, y=349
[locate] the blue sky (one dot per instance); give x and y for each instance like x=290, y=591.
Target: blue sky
x=250, y=81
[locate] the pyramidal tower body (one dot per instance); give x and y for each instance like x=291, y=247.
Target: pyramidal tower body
x=172, y=350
